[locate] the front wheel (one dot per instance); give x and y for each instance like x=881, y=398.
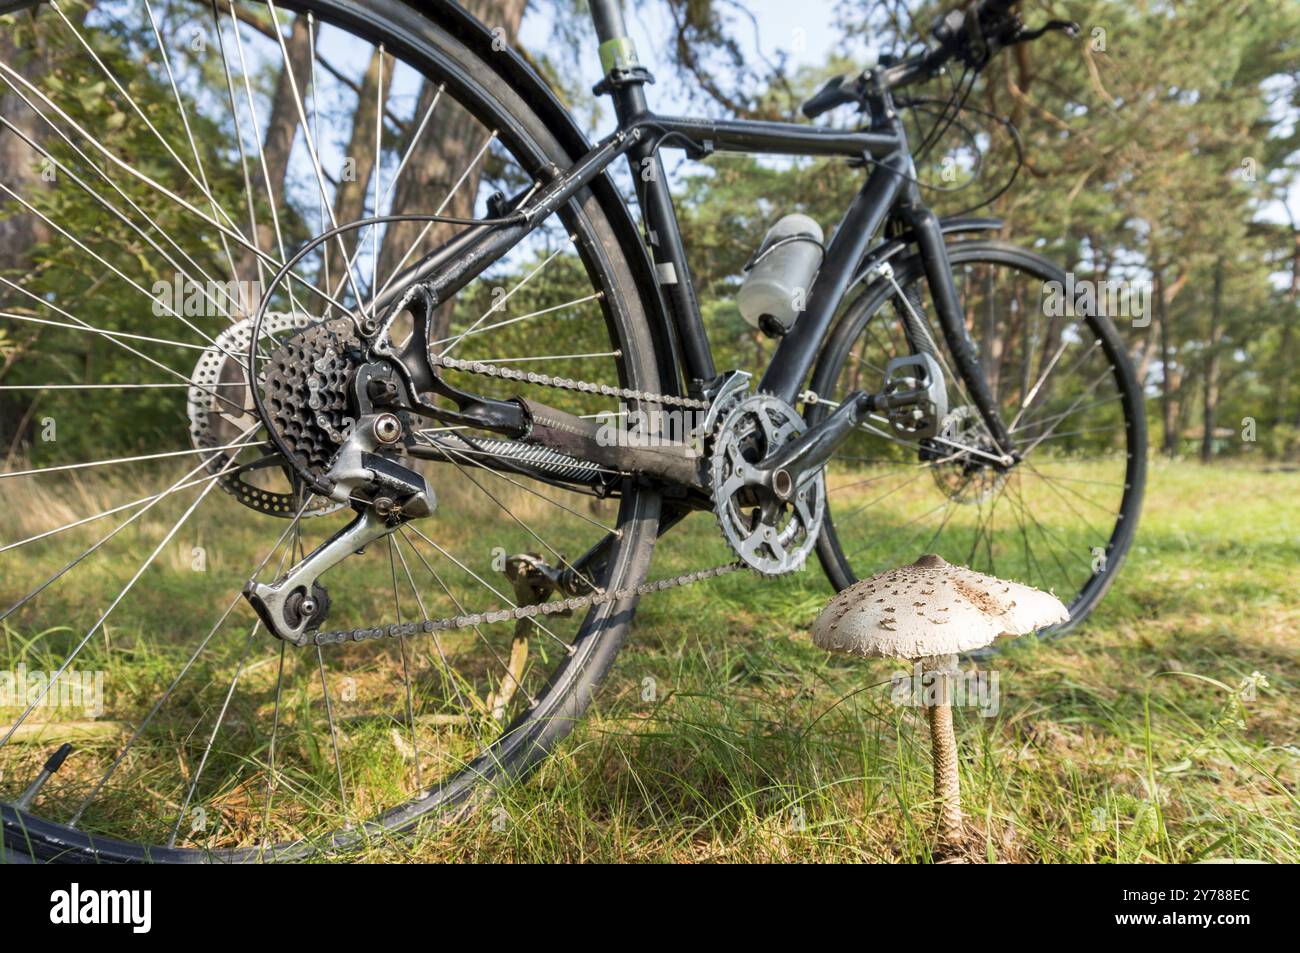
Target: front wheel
x=1063, y=517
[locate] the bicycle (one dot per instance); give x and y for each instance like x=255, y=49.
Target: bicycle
x=408, y=401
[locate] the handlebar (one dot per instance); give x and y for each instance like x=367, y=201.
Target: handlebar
x=973, y=36
x=837, y=92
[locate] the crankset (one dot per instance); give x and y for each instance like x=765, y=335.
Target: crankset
x=768, y=467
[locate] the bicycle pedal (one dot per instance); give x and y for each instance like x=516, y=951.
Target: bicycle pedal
x=917, y=383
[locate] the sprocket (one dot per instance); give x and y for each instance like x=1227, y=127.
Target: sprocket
x=770, y=535
x=307, y=390
x=220, y=409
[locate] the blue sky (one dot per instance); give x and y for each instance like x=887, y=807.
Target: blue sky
x=802, y=29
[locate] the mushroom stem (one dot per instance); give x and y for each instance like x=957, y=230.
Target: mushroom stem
x=943, y=745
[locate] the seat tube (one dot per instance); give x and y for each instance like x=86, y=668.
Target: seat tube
x=625, y=80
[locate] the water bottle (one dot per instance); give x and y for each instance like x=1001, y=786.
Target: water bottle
x=780, y=274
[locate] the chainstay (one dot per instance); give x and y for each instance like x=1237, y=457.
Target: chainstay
x=566, y=383
x=532, y=611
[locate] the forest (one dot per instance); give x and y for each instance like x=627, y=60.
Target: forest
x=1156, y=153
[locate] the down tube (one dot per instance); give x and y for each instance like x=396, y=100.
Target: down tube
x=798, y=349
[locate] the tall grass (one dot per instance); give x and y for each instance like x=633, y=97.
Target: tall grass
x=723, y=734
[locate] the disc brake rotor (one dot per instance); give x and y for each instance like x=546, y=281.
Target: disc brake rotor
x=768, y=534
x=965, y=477
x=220, y=410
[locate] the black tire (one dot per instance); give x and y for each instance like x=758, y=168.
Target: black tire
x=427, y=44
x=877, y=311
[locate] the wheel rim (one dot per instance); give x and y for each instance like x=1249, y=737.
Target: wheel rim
x=292, y=736
x=1063, y=518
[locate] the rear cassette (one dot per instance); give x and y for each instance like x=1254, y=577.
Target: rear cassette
x=220, y=409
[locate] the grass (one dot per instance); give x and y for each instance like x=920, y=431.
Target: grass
x=723, y=735
x=1131, y=740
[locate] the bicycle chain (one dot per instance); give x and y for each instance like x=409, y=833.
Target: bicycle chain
x=566, y=383
x=469, y=620
x=600, y=597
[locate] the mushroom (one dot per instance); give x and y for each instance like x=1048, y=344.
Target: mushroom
x=928, y=613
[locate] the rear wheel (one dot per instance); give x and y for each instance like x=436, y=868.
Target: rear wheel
x=1064, y=516
x=118, y=562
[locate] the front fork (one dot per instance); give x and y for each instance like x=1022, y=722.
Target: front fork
x=965, y=358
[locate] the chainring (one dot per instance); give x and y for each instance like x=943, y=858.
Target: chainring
x=769, y=535
x=220, y=408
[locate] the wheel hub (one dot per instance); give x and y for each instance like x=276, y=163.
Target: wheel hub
x=963, y=476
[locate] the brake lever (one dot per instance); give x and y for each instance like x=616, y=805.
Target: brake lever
x=1069, y=27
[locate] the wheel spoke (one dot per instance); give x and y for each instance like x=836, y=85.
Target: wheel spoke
x=311, y=146
x=195, y=168
x=53, y=680
x=8, y=474
x=189, y=663
x=171, y=490
x=397, y=269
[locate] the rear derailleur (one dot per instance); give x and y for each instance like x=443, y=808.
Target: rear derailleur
x=384, y=495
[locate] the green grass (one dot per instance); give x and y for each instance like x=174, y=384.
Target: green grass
x=724, y=734
x=1130, y=740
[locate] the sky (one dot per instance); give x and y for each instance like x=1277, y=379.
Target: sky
x=802, y=28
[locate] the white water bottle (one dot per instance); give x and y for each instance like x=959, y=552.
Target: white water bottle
x=776, y=285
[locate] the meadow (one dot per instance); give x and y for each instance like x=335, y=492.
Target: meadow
x=1165, y=729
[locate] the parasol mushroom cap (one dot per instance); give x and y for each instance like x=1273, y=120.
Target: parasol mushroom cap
x=930, y=608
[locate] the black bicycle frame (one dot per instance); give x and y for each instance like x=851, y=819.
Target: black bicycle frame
x=891, y=189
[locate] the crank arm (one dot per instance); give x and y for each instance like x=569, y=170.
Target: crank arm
x=785, y=471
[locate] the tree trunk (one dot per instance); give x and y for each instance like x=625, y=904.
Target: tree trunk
x=282, y=126
x=277, y=145
x=1210, y=386
x=446, y=149
x=20, y=231
x=1288, y=327
x=350, y=199
x=1169, y=378
x=19, y=161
